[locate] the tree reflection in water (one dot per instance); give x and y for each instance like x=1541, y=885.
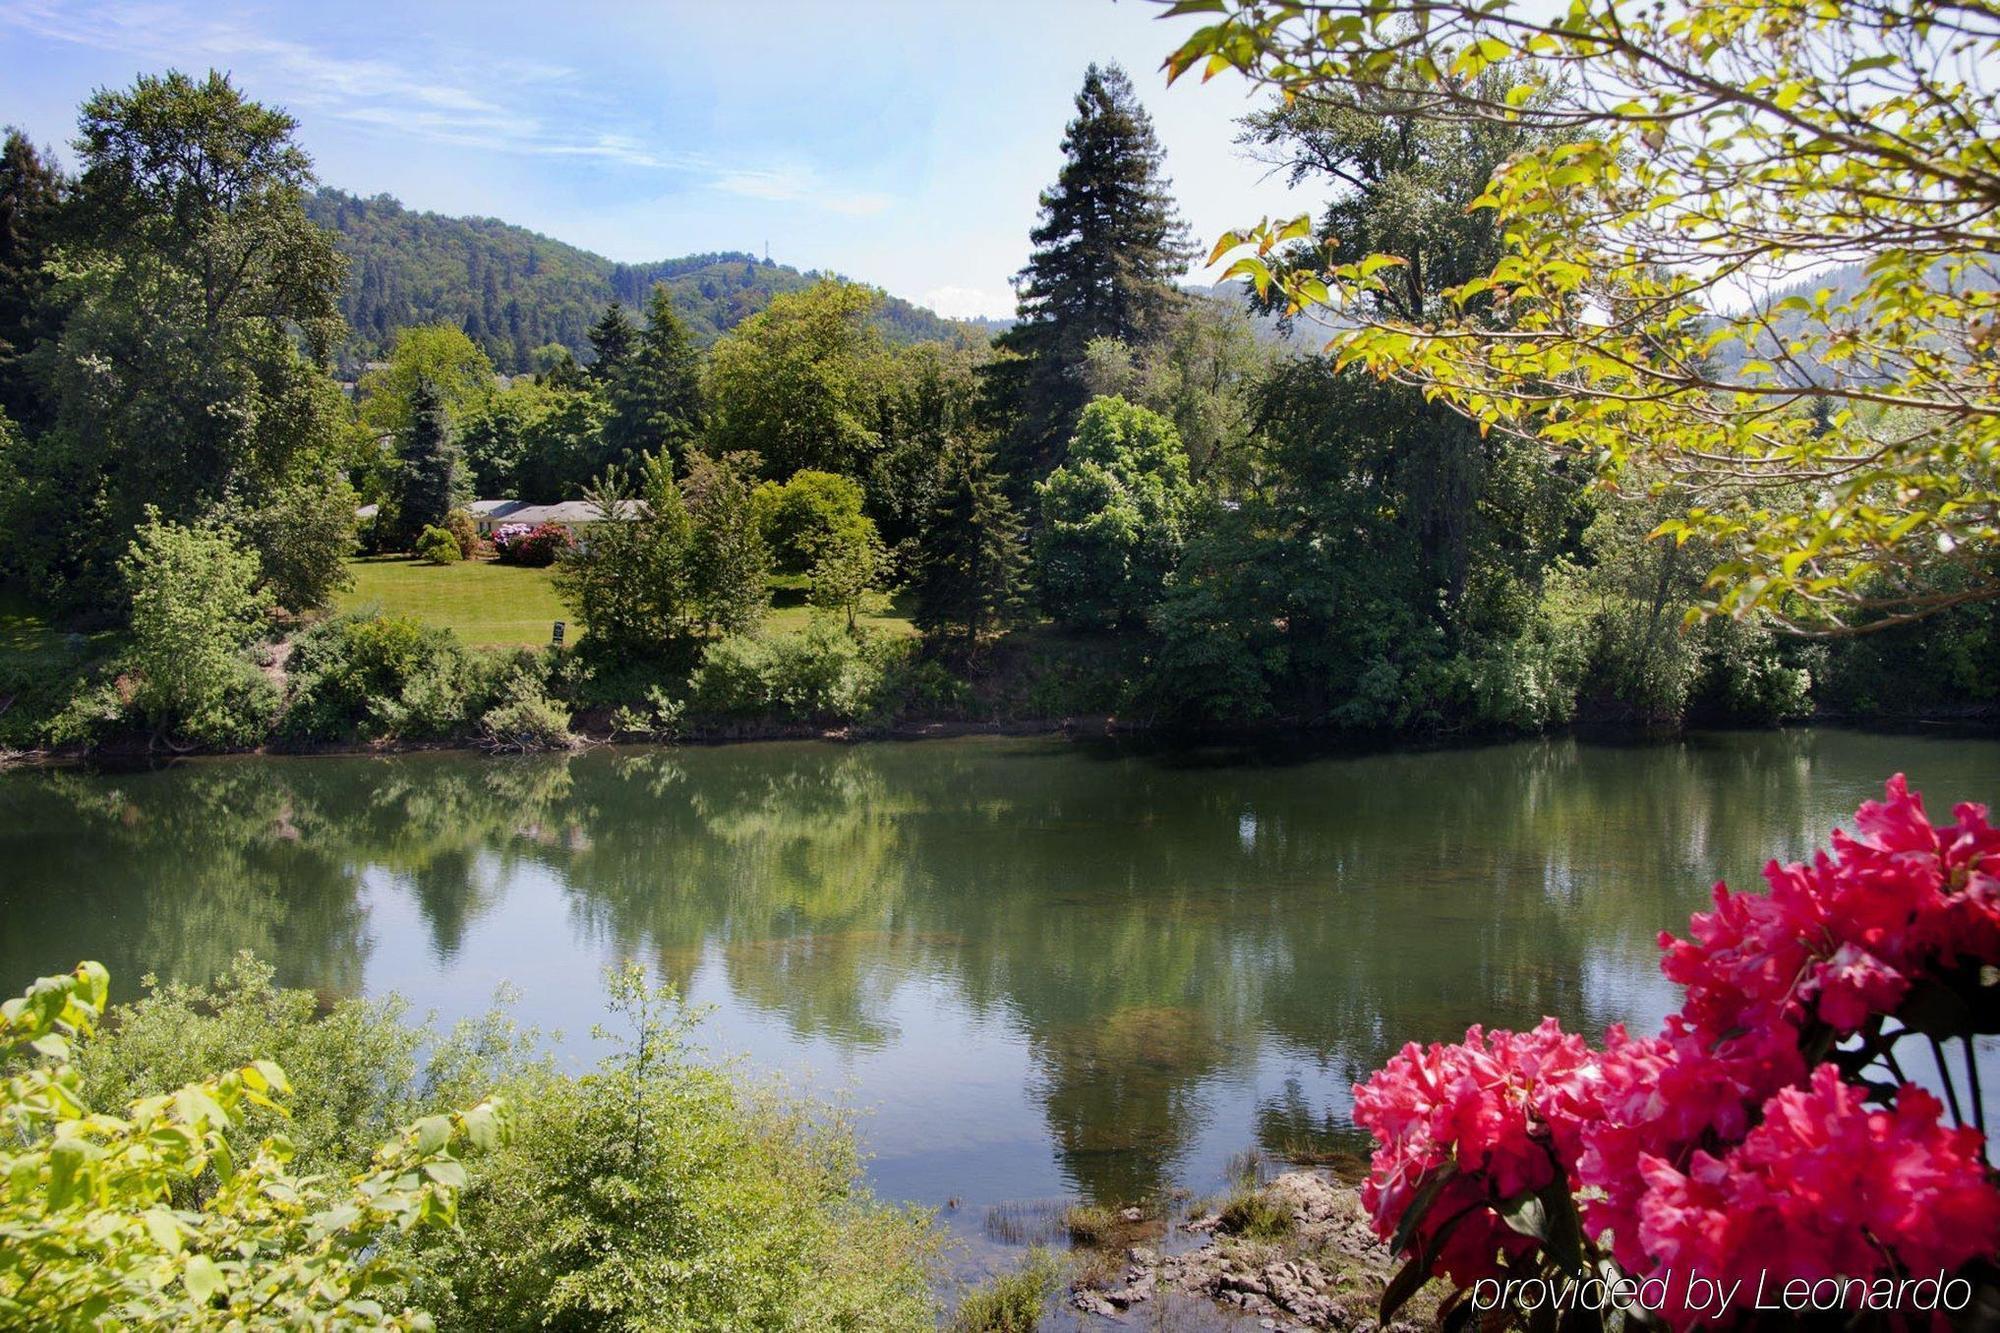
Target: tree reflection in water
x=1149, y=932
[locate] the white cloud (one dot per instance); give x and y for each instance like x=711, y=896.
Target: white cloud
x=384, y=95
x=969, y=303
x=800, y=185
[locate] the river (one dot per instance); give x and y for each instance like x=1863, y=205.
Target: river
x=1042, y=970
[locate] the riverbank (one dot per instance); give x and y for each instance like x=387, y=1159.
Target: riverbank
x=595, y=730
x=1295, y=1253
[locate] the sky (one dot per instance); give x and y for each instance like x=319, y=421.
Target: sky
x=898, y=142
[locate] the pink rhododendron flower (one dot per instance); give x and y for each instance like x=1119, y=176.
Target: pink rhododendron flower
x=1505, y=1107
x=1845, y=937
x=1659, y=1097
x=1713, y=1148
x=1824, y=1187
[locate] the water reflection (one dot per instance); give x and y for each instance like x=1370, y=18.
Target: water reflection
x=1049, y=967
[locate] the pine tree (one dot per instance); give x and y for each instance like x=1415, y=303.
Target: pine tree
x=611, y=338
x=433, y=467
x=656, y=400
x=1108, y=249
x=30, y=190
x=969, y=556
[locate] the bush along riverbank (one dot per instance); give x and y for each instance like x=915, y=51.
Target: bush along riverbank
x=239, y=1154
x=370, y=681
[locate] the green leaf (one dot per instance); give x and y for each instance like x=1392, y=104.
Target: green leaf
x=433, y=1132
x=446, y=1172
x=482, y=1129
x=67, y=1157
x=1526, y=1214
x=202, y=1278
x=1402, y=1286
x=163, y=1228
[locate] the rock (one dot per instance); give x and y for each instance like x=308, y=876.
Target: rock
x=1091, y=1302
x=1142, y=1257
x=1132, y=1215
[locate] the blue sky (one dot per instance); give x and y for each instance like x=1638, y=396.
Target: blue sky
x=901, y=142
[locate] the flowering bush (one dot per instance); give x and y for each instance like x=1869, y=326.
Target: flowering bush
x=538, y=546
x=1769, y=1135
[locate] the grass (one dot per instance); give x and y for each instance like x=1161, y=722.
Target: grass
x=491, y=605
x=1253, y=1213
x=40, y=666
x=488, y=605
x=1012, y=1302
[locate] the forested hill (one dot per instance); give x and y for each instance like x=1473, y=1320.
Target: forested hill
x=514, y=290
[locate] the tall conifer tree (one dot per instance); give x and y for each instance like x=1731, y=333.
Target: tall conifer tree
x=970, y=554
x=30, y=190
x=433, y=465
x=1108, y=249
x=611, y=338
x=656, y=400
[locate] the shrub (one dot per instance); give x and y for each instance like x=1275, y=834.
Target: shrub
x=653, y=1192
x=659, y=719
x=196, y=602
x=464, y=531
x=527, y=719
x=354, y=1064
x=1012, y=1302
x=377, y=677
x=1767, y=1134
x=436, y=545
x=105, y=1228
x=629, y=583
x=822, y=674
x=537, y=547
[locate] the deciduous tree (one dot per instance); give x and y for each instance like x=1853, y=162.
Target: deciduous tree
x=1700, y=157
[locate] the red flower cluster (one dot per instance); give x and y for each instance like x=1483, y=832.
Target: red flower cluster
x=1825, y=1186
x=1713, y=1147
x=1846, y=937
x=1503, y=1107
x=1659, y=1096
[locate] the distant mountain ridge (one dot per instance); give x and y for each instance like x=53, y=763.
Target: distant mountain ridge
x=513, y=290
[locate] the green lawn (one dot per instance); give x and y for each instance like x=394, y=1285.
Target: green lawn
x=487, y=605
x=491, y=605
x=29, y=644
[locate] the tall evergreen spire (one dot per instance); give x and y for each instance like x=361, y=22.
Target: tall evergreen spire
x=1108, y=249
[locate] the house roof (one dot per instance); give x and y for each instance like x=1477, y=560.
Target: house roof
x=520, y=511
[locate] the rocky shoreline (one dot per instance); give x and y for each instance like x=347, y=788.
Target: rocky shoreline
x=1307, y=1259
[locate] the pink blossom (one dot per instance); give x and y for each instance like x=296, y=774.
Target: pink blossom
x=1504, y=1108
x=1825, y=1186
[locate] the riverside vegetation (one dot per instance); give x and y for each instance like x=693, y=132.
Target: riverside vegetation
x=1130, y=503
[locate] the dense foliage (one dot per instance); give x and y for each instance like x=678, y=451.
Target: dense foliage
x=159, y=1213
x=1768, y=1140
x=655, y=1191
x=1680, y=169
x=514, y=291
x=1131, y=504
x=178, y=367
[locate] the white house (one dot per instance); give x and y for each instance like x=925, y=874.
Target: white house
x=488, y=515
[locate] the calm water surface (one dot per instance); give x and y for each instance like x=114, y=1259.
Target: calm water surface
x=1045, y=970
